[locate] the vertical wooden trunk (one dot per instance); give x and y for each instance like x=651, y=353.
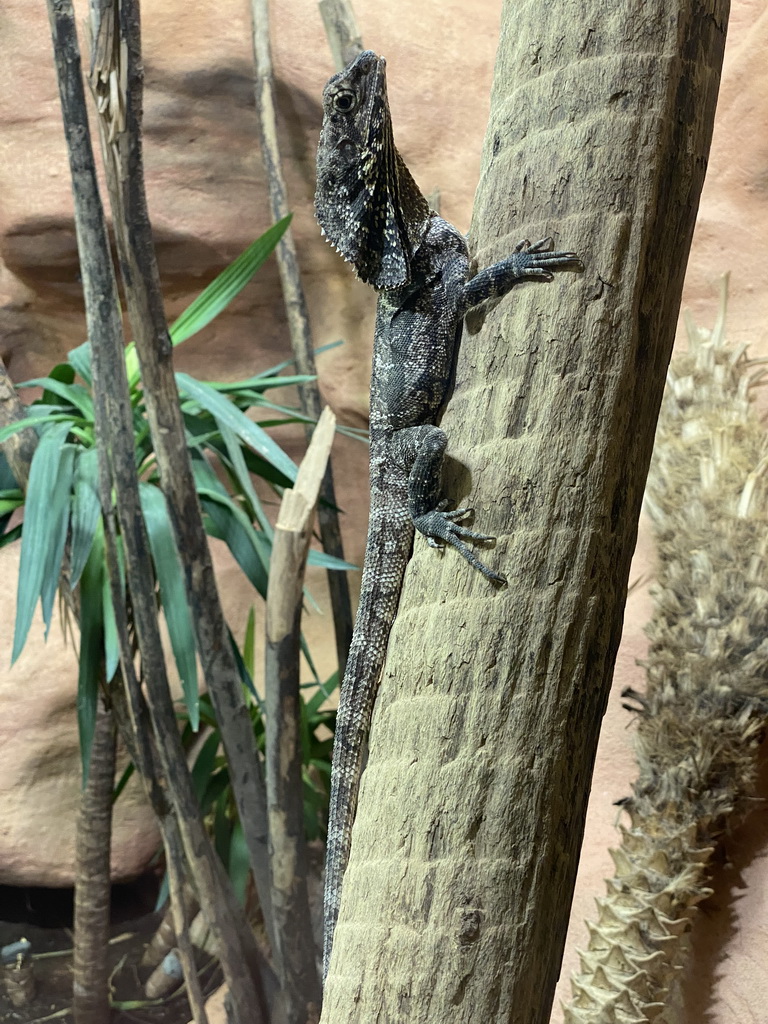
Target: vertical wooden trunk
x=90, y=989
x=472, y=806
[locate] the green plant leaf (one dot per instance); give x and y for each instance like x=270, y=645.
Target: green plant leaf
x=249, y=641
x=255, y=385
x=229, y=523
x=130, y=768
x=86, y=511
x=111, y=642
x=243, y=478
x=173, y=594
x=75, y=394
x=37, y=537
x=323, y=693
x=37, y=420
x=273, y=370
x=58, y=513
x=218, y=784
x=10, y=500
x=203, y=767
x=219, y=293
x=246, y=677
x=10, y=536
x=229, y=283
x=91, y=660
x=227, y=414
x=80, y=358
x=261, y=468
x=325, y=561
x=162, y=896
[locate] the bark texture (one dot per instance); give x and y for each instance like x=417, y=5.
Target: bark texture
x=472, y=806
x=90, y=983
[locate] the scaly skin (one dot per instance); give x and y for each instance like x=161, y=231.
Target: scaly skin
x=371, y=210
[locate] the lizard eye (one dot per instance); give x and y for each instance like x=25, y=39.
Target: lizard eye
x=345, y=101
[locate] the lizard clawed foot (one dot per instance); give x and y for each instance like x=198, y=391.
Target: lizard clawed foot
x=540, y=259
x=440, y=528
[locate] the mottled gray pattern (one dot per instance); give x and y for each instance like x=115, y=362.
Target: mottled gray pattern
x=371, y=210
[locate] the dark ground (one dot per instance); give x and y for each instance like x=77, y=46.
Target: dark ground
x=44, y=917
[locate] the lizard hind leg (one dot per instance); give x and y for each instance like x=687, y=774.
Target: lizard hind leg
x=420, y=451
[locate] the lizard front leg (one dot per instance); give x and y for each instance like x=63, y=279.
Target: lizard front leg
x=419, y=451
x=537, y=261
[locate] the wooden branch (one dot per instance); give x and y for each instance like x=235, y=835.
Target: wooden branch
x=93, y=881
x=298, y=318
x=175, y=866
x=118, y=84
x=290, y=899
x=472, y=805
x=115, y=432
x=341, y=30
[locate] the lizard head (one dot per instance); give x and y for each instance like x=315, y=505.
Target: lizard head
x=366, y=202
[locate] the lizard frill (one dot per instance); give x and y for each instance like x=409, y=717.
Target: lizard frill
x=367, y=204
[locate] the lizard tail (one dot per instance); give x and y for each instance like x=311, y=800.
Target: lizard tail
x=388, y=548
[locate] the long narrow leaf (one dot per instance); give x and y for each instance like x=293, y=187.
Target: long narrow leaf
x=10, y=536
x=91, y=661
x=130, y=768
x=232, y=525
x=227, y=414
x=35, y=421
x=249, y=641
x=220, y=292
x=173, y=594
x=58, y=526
x=259, y=383
x=75, y=394
x=325, y=561
x=86, y=511
x=10, y=501
x=203, y=767
x=111, y=642
x=36, y=536
x=240, y=470
x=246, y=676
x=80, y=358
x=315, y=557
x=273, y=370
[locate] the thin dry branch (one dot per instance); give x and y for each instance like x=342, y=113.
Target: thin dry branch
x=341, y=30
x=298, y=318
x=117, y=79
x=115, y=432
x=284, y=782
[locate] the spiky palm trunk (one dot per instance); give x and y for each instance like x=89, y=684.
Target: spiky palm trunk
x=705, y=707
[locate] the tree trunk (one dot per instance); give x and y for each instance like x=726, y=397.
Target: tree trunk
x=472, y=806
x=90, y=1004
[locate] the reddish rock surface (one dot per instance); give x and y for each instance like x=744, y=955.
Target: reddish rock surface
x=208, y=201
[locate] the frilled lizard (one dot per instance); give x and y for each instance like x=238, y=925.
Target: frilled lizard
x=371, y=210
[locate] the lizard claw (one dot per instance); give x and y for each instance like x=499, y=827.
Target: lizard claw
x=537, y=259
x=440, y=528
